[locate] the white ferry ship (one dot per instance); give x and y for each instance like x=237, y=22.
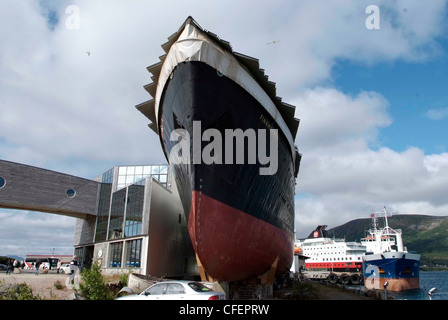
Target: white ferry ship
x=333, y=259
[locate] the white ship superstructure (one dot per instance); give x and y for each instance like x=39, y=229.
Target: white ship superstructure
x=334, y=255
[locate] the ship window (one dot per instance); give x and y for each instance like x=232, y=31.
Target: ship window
x=2, y=182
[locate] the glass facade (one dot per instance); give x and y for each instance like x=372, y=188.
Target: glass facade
x=103, y=212
x=134, y=210
x=133, y=253
x=79, y=253
x=117, y=214
x=104, y=205
x=108, y=176
x=120, y=211
x=116, y=250
x=132, y=174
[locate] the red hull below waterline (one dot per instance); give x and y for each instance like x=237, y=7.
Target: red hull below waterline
x=395, y=285
x=233, y=245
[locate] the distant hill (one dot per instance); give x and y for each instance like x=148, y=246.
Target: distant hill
x=5, y=259
x=426, y=235
x=12, y=256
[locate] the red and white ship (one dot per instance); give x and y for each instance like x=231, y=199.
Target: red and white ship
x=335, y=258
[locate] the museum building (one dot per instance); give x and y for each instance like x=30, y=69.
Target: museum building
x=130, y=218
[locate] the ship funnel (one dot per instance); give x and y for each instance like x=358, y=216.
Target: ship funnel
x=319, y=232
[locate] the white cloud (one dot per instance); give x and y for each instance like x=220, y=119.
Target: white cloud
x=65, y=110
x=329, y=117
x=59, y=103
x=26, y=232
x=437, y=114
x=342, y=177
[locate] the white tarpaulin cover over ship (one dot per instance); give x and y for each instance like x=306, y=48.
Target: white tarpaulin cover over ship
x=193, y=45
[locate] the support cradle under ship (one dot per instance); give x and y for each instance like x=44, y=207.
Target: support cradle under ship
x=241, y=223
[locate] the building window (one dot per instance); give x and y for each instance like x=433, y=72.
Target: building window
x=117, y=215
x=2, y=182
x=136, y=174
x=116, y=250
x=134, y=211
x=71, y=193
x=133, y=253
x=79, y=253
x=103, y=212
x=108, y=176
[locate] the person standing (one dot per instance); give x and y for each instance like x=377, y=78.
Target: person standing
x=9, y=267
x=73, y=267
x=37, y=267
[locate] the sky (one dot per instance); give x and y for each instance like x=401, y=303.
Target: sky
x=369, y=86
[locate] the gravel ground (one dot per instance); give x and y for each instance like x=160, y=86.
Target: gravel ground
x=42, y=285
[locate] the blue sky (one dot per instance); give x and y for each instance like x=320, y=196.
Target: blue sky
x=373, y=104
x=413, y=89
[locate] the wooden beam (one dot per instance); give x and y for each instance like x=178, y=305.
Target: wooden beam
x=268, y=276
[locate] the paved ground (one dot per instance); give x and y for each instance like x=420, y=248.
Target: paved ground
x=43, y=284
x=325, y=292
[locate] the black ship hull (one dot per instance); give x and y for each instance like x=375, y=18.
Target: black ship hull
x=240, y=222
x=237, y=193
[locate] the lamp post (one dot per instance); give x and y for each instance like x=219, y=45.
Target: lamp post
x=385, y=291
x=431, y=292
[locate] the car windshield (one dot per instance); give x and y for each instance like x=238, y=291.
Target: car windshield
x=198, y=287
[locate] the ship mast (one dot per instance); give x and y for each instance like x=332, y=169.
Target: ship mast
x=387, y=231
x=374, y=222
x=385, y=239
x=385, y=216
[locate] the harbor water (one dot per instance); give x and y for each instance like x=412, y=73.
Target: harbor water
x=428, y=280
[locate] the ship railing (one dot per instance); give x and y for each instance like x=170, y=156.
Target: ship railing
x=339, y=240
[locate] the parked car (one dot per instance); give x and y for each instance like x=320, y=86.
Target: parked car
x=3, y=266
x=65, y=268
x=177, y=290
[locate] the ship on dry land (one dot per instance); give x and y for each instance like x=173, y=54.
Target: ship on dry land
x=230, y=140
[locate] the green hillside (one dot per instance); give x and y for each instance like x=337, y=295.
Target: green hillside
x=426, y=235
